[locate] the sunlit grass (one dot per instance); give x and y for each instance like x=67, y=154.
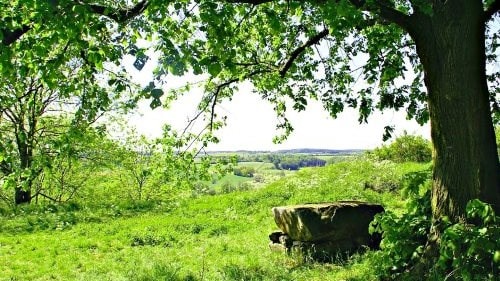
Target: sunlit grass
x=219, y=237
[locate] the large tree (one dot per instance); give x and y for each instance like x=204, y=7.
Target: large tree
x=317, y=49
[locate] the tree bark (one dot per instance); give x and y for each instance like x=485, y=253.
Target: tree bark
x=451, y=47
x=22, y=196
x=25, y=149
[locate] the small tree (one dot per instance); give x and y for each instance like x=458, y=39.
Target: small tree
x=141, y=163
x=44, y=108
x=71, y=169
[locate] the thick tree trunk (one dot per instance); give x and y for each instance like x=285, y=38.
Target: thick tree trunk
x=450, y=44
x=22, y=196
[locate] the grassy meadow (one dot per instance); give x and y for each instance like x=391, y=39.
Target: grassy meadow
x=209, y=237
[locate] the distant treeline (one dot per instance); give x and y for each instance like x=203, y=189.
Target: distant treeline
x=295, y=162
x=258, y=156
x=319, y=151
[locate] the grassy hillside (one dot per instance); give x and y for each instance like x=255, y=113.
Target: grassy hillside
x=219, y=237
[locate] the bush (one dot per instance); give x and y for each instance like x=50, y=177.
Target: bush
x=468, y=250
x=471, y=251
x=404, y=237
x=259, y=179
x=244, y=171
x=386, y=181
x=244, y=186
x=202, y=188
x=228, y=187
x=406, y=148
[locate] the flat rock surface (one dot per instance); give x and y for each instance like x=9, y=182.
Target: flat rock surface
x=336, y=221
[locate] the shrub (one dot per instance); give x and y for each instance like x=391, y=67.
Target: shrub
x=227, y=187
x=404, y=237
x=386, y=181
x=244, y=171
x=468, y=250
x=259, y=179
x=202, y=188
x=244, y=186
x=406, y=148
x=471, y=250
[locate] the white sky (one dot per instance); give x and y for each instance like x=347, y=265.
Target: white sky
x=251, y=122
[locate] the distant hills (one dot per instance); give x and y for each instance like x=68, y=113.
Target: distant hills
x=294, y=151
x=320, y=151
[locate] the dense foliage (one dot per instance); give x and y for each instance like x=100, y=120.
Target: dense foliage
x=244, y=171
x=405, y=236
x=405, y=148
x=294, y=161
x=468, y=249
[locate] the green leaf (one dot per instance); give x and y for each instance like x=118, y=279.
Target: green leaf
x=155, y=103
x=156, y=93
x=214, y=69
x=388, y=130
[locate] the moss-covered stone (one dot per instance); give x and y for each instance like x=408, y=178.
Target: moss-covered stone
x=328, y=228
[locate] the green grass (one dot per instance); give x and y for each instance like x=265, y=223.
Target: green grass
x=264, y=173
x=258, y=166
x=233, y=179
x=220, y=237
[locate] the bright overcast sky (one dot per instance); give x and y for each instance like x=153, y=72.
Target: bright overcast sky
x=251, y=122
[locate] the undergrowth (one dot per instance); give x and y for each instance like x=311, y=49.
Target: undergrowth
x=468, y=250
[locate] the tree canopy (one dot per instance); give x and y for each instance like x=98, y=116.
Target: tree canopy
x=293, y=50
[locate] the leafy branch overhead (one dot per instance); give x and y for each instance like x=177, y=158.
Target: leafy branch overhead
x=53, y=8
x=312, y=41
x=290, y=43
x=280, y=38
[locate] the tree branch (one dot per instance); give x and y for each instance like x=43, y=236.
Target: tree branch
x=46, y=196
x=252, y=2
x=11, y=36
x=393, y=15
x=385, y=10
x=219, y=88
x=213, y=99
x=491, y=10
x=120, y=16
x=389, y=13
x=296, y=53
